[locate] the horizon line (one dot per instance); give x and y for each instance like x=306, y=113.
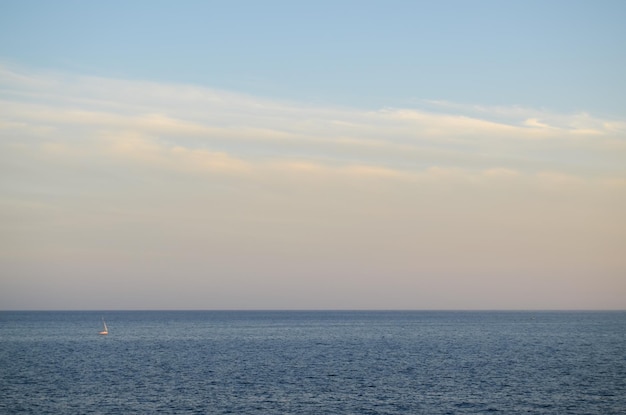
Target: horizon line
x=326, y=310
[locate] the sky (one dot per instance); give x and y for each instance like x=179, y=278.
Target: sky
x=312, y=155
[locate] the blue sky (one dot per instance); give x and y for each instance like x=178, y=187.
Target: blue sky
x=286, y=155
x=561, y=55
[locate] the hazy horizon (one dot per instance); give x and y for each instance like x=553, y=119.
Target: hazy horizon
x=335, y=155
x=326, y=310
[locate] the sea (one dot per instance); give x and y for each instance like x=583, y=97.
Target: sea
x=313, y=362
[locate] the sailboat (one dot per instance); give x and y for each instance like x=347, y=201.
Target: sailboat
x=106, y=330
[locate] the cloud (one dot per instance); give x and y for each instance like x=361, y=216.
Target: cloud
x=243, y=126
x=185, y=128
x=550, y=123
x=152, y=181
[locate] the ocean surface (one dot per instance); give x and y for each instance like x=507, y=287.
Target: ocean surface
x=284, y=362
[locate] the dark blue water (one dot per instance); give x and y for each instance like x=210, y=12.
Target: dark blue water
x=313, y=363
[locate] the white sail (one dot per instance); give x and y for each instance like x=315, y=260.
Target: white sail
x=106, y=329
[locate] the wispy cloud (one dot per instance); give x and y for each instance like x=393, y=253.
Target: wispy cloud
x=258, y=130
x=102, y=170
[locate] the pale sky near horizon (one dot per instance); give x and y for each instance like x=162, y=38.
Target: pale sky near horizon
x=312, y=155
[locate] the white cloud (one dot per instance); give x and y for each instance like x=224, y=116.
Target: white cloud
x=195, y=129
x=95, y=172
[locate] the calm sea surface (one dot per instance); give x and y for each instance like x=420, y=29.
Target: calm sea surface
x=212, y=362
